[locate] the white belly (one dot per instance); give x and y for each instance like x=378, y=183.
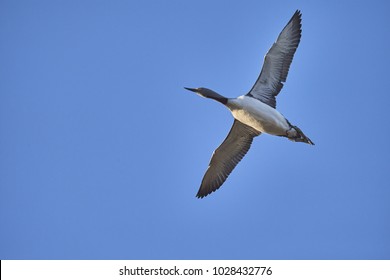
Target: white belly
x=258, y=115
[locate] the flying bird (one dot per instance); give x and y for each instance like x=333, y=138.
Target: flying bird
x=255, y=112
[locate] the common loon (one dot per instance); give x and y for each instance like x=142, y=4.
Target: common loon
x=255, y=113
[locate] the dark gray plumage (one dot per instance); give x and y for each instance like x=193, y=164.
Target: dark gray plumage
x=277, y=62
x=227, y=156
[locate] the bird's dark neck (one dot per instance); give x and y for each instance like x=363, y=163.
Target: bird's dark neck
x=220, y=99
x=216, y=96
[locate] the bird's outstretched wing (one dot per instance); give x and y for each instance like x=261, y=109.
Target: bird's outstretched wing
x=277, y=62
x=226, y=157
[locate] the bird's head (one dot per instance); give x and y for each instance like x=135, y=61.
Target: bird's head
x=208, y=93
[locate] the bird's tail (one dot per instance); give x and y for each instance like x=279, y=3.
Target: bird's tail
x=300, y=136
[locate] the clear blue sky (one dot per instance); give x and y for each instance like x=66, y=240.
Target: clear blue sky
x=102, y=150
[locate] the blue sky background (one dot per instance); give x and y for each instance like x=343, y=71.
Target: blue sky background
x=102, y=150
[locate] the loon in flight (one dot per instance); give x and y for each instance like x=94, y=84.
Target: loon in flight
x=255, y=113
